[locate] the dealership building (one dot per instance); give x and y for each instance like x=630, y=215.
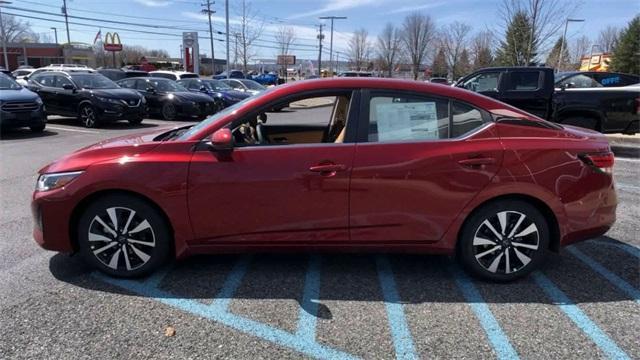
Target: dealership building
x=43, y=54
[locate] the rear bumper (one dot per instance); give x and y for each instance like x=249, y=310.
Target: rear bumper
x=591, y=216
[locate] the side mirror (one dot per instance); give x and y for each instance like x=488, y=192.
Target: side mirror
x=222, y=140
x=68, y=87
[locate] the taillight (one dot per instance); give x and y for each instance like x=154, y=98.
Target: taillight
x=601, y=161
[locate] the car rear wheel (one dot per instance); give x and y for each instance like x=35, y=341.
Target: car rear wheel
x=169, y=111
x=123, y=236
x=583, y=122
x=504, y=240
x=88, y=116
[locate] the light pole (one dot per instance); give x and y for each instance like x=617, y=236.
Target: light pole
x=331, y=41
x=4, y=40
x=55, y=33
x=566, y=24
x=226, y=15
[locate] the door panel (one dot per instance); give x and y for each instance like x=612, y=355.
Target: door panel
x=413, y=191
x=271, y=194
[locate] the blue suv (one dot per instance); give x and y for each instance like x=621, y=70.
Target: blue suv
x=20, y=107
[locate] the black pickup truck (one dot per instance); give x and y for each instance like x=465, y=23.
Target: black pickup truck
x=608, y=110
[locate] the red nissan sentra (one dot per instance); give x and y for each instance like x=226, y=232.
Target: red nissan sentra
x=347, y=165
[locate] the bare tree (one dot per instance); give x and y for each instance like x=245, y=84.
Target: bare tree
x=546, y=17
x=579, y=48
x=454, y=41
x=17, y=31
x=285, y=37
x=388, y=48
x=608, y=38
x=359, y=49
x=418, y=32
x=249, y=30
x=481, y=49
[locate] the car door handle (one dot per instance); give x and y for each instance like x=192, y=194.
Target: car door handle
x=328, y=169
x=477, y=161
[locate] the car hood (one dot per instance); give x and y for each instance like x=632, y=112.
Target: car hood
x=189, y=96
x=126, y=94
x=119, y=147
x=22, y=94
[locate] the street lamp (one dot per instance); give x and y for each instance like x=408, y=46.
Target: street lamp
x=55, y=33
x=4, y=39
x=566, y=24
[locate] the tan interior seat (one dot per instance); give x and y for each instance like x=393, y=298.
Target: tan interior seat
x=339, y=118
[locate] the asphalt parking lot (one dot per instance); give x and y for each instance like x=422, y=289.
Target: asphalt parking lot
x=583, y=303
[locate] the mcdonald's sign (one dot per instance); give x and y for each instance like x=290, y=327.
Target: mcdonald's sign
x=112, y=42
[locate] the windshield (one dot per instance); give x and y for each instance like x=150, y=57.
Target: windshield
x=93, y=81
x=167, y=85
x=7, y=83
x=220, y=114
x=217, y=85
x=252, y=85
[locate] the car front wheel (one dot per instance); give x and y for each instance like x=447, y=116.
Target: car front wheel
x=123, y=236
x=88, y=116
x=169, y=111
x=504, y=240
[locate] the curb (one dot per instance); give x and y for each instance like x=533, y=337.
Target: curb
x=626, y=151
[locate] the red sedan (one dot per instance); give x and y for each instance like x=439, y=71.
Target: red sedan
x=347, y=165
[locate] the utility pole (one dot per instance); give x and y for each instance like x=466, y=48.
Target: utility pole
x=55, y=33
x=4, y=39
x=331, y=41
x=226, y=11
x=66, y=20
x=209, y=12
x=320, y=38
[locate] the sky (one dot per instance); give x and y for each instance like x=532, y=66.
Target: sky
x=302, y=15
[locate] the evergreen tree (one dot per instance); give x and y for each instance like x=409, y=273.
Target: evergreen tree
x=439, y=66
x=463, y=67
x=483, y=58
x=554, y=55
x=514, y=49
x=626, y=55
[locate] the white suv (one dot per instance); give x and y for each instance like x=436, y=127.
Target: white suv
x=173, y=75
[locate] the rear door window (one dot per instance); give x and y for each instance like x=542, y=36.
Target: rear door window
x=523, y=81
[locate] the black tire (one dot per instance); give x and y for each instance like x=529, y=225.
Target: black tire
x=169, y=111
x=485, y=255
x=135, y=256
x=583, y=122
x=135, y=121
x=37, y=128
x=88, y=116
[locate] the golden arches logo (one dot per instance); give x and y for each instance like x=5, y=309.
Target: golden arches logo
x=112, y=42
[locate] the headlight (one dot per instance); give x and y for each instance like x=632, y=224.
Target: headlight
x=109, y=100
x=52, y=181
x=38, y=101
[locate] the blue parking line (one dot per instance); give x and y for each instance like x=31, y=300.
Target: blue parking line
x=402, y=340
x=499, y=341
x=613, y=278
x=579, y=318
x=630, y=249
x=308, y=315
x=214, y=313
x=231, y=284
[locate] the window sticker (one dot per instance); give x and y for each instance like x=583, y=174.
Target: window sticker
x=406, y=121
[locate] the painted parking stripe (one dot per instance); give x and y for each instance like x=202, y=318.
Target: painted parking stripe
x=579, y=318
x=72, y=130
x=613, y=278
x=497, y=337
x=310, y=300
x=628, y=248
x=402, y=340
x=231, y=284
x=251, y=327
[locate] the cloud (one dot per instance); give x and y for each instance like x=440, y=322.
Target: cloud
x=153, y=3
x=335, y=5
x=411, y=8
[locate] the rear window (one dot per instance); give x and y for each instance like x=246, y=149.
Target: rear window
x=524, y=81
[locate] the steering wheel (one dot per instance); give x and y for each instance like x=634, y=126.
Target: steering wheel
x=259, y=132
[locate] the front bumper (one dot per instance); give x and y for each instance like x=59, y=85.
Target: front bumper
x=23, y=118
x=51, y=211
x=197, y=110
x=112, y=112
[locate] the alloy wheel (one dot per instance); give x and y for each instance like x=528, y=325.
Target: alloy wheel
x=121, y=239
x=506, y=242
x=169, y=112
x=88, y=116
